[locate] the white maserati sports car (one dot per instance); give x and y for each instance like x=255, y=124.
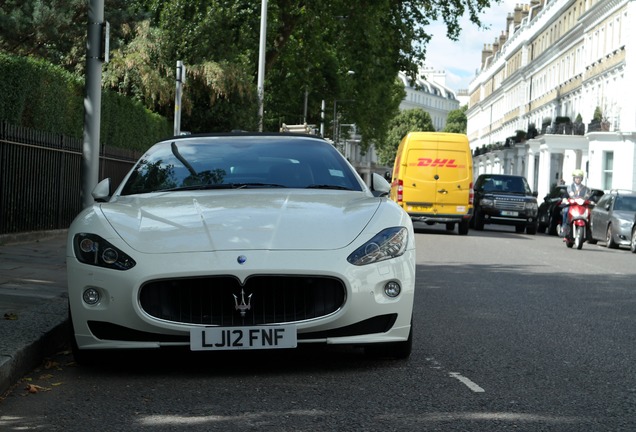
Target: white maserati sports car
x=241, y=241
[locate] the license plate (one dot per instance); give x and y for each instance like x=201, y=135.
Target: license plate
x=509, y=213
x=418, y=208
x=242, y=338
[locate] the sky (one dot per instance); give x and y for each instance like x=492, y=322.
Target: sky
x=461, y=59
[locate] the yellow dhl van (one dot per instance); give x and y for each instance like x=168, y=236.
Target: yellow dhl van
x=433, y=179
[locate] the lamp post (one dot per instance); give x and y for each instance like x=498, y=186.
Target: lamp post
x=260, y=86
x=335, y=113
x=335, y=119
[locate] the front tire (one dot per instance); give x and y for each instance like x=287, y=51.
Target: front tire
x=609, y=239
x=396, y=350
x=479, y=220
x=82, y=357
x=578, y=237
x=463, y=227
x=632, y=244
x=552, y=225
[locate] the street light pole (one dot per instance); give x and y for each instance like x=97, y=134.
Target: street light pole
x=180, y=78
x=335, y=113
x=260, y=86
x=96, y=53
x=336, y=137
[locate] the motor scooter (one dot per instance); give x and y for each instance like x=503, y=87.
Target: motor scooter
x=578, y=222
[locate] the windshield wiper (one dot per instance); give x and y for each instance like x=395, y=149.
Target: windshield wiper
x=197, y=187
x=328, y=186
x=258, y=185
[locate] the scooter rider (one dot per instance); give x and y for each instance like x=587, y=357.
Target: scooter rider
x=576, y=190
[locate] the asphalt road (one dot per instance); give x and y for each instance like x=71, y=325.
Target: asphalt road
x=512, y=333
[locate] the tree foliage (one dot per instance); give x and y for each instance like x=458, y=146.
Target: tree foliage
x=55, y=30
x=311, y=46
x=413, y=120
x=456, y=121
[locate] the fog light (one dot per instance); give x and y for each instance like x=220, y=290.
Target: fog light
x=91, y=296
x=392, y=289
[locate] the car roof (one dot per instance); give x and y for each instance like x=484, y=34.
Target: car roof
x=241, y=133
x=621, y=192
x=500, y=176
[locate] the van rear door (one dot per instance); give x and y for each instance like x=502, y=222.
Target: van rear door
x=438, y=174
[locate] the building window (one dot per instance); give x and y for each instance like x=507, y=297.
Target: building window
x=608, y=169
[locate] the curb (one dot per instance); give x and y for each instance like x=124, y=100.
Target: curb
x=40, y=332
x=30, y=236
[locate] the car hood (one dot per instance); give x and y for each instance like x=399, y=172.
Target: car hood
x=511, y=196
x=240, y=220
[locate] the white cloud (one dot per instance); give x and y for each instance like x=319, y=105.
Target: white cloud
x=462, y=59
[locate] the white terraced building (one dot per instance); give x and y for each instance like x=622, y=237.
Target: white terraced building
x=532, y=105
x=429, y=93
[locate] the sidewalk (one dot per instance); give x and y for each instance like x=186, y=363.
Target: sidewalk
x=33, y=301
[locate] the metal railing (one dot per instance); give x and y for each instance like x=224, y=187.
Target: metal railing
x=40, y=178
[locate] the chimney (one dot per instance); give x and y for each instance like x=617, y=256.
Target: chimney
x=525, y=11
x=534, y=9
x=509, y=21
x=485, y=53
x=495, y=46
x=517, y=14
x=502, y=38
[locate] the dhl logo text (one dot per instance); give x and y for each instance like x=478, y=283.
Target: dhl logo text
x=428, y=162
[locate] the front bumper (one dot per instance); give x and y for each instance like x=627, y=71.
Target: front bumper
x=366, y=314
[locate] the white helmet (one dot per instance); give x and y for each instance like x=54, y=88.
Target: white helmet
x=578, y=173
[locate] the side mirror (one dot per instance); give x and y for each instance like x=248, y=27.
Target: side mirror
x=102, y=192
x=379, y=185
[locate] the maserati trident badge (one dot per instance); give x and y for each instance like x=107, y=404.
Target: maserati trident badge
x=242, y=307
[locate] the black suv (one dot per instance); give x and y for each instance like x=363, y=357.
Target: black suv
x=550, y=209
x=505, y=200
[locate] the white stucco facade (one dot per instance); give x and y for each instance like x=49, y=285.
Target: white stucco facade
x=556, y=61
x=429, y=93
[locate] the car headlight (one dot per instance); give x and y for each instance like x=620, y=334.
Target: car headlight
x=532, y=206
x=389, y=243
x=93, y=250
x=487, y=202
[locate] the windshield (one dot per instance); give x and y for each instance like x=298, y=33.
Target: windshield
x=240, y=162
x=505, y=184
x=625, y=203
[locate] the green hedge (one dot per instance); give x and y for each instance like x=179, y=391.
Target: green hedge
x=43, y=96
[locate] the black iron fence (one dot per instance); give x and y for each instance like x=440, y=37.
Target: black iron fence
x=40, y=179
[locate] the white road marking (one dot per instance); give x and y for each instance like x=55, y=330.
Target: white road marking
x=468, y=383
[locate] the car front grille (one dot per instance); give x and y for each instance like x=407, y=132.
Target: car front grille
x=510, y=205
x=223, y=301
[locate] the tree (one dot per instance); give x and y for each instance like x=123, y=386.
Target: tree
x=311, y=45
x=413, y=120
x=456, y=121
x=56, y=30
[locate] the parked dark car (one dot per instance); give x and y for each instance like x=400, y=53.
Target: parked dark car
x=550, y=209
x=505, y=200
x=612, y=218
